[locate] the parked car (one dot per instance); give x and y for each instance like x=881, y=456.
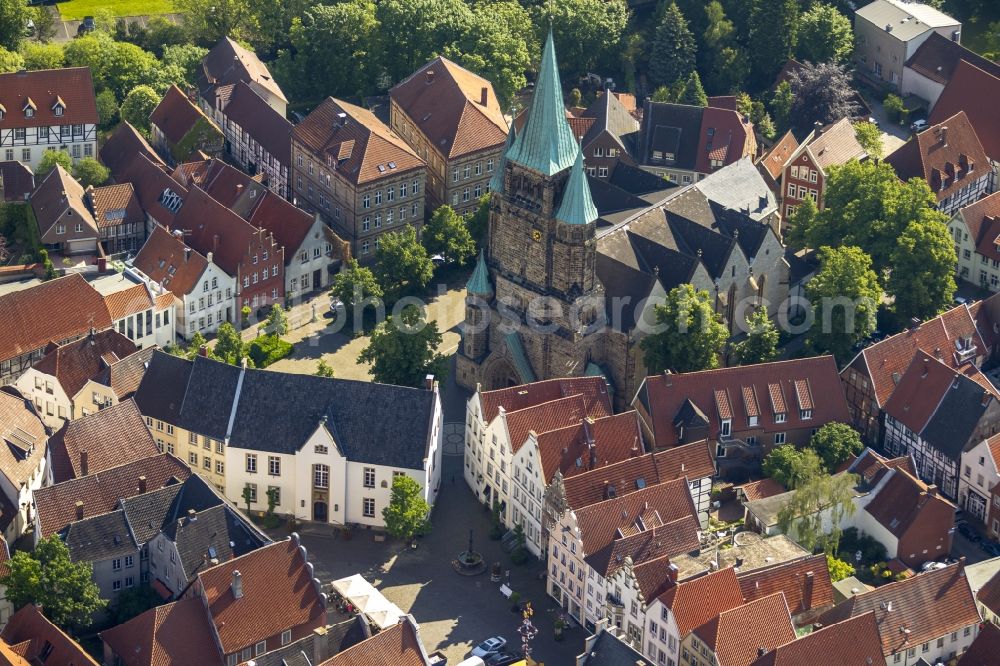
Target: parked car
x=87, y=25
x=918, y=126
x=932, y=566
x=489, y=647
x=991, y=547
x=502, y=659
x=966, y=530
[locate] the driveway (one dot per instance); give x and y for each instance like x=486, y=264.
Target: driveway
x=454, y=612
x=894, y=135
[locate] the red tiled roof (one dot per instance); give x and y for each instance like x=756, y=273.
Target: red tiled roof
x=989, y=594
x=137, y=298
x=732, y=139
x=947, y=155
x=984, y=650
x=445, y=102
x=100, y=492
x=893, y=355
x=938, y=56
x=176, y=633
x=871, y=467
x=151, y=182
x=982, y=219
x=929, y=605
x=229, y=63
x=567, y=450
x=165, y=259
x=693, y=461
x=697, y=600
x=17, y=179
x=756, y=490
x=835, y=144
x=776, y=159
x=919, y=391
x=72, y=86
x=111, y=437
x=736, y=635
x=853, y=642
x=396, y=646
x=594, y=389
x=377, y=151
x=278, y=594
x=543, y=418
x=977, y=93
x=657, y=542
x=662, y=396
x=805, y=583
x=176, y=115
x=13, y=655
x=905, y=502
x=121, y=148
x=116, y=204
x=71, y=306
x=22, y=446
x=29, y=625
x=259, y=119
x=75, y=363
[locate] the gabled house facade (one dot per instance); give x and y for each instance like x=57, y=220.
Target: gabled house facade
x=980, y=474
x=612, y=137
x=65, y=224
x=181, y=130
x=23, y=462
x=804, y=174
x=258, y=138
x=119, y=217
x=932, y=65
x=976, y=229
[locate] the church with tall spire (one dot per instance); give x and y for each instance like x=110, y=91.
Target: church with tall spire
x=565, y=278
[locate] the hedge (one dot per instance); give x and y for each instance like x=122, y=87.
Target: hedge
x=267, y=349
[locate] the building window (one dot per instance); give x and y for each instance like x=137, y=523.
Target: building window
x=260, y=648
x=220, y=467
x=369, y=507
x=251, y=463
x=779, y=417
x=321, y=476
x=369, y=477
x=252, y=492
x=286, y=637
x=779, y=438
x=193, y=459
x=277, y=494
x=116, y=585
x=207, y=463
x=274, y=466
x=116, y=564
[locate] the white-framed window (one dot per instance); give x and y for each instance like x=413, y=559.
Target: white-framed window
x=369, y=507
x=369, y=477
x=321, y=476
x=116, y=585
x=116, y=564
x=274, y=466
x=260, y=648
x=286, y=637
x=779, y=417
x=251, y=463
x=779, y=438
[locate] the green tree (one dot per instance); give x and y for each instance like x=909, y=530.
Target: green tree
x=14, y=16
x=922, y=279
x=402, y=264
x=765, y=126
x=334, y=48
x=408, y=512
x=229, y=346
x=411, y=32
x=822, y=93
x=448, y=234
x=761, y=343
x=673, y=48
x=354, y=285
x=42, y=56
x=694, y=93
x=790, y=466
x=586, y=32
x=277, y=321
x=208, y=21
x=272, y=499
x=839, y=569
x=991, y=41
x=404, y=350
x=844, y=294
x=64, y=590
x=662, y=94
x=196, y=343
x=138, y=105
x=478, y=222
x=323, y=369
x=133, y=601
x=248, y=495
x=575, y=98
x=721, y=60
x=895, y=107
x=822, y=499
x=107, y=109
x=50, y=158
x=10, y=61
x=870, y=137
x=781, y=105
x=825, y=35
x=691, y=334
x=120, y=66
x=498, y=45
x=45, y=24
x=186, y=58
x=773, y=34
x=89, y=171
x=835, y=443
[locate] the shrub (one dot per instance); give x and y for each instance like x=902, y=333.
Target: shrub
x=267, y=349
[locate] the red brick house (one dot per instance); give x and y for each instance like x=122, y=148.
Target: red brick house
x=805, y=174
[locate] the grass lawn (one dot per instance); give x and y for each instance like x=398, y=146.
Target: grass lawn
x=75, y=10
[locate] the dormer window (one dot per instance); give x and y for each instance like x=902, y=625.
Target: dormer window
x=805, y=414
x=726, y=428
x=29, y=108
x=58, y=110
x=779, y=417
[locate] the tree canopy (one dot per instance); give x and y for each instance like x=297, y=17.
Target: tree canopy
x=354, y=285
x=822, y=93
x=673, y=49
x=447, y=234
x=922, y=278
x=138, y=105
x=814, y=515
x=586, y=32
x=870, y=137
x=761, y=342
x=692, y=333
x=407, y=512
x=14, y=16
x=404, y=350
x=825, y=35
x=50, y=158
x=402, y=264
x=844, y=294
x=790, y=466
x=773, y=35
x=834, y=443
x=89, y=172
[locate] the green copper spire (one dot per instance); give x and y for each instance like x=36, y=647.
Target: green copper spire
x=496, y=182
x=479, y=283
x=545, y=143
x=577, y=206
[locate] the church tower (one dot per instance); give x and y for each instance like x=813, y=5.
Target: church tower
x=540, y=265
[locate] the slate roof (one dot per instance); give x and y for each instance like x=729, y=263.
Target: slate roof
x=670, y=128
x=736, y=635
x=279, y=593
x=930, y=605
x=101, y=492
x=396, y=646
x=159, y=510
x=984, y=648
x=853, y=642
x=697, y=600
x=977, y=93
x=772, y=384
x=22, y=440
x=228, y=63
x=740, y=187
x=99, y=538
x=446, y=103
x=60, y=192
x=72, y=86
x=161, y=391
x=945, y=155
x=611, y=117
x=175, y=633
x=259, y=119
x=691, y=461
x=111, y=437
x=362, y=146
x=218, y=532
x=514, y=398
x=609, y=650
x=28, y=625
x=75, y=363
x=17, y=181
x=937, y=57
x=805, y=582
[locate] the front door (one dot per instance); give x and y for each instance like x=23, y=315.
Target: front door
x=976, y=505
x=319, y=512
x=318, y=279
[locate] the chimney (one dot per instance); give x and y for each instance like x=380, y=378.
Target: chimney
x=237, y=585
x=341, y=120
x=215, y=243
x=142, y=484
x=944, y=135
x=187, y=253
x=203, y=351
x=932, y=489
x=429, y=382
x=84, y=463
x=239, y=188
x=79, y=510
x=818, y=127
x=429, y=74
x=914, y=323
x=807, y=590
x=672, y=572
x=484, y=96
x=192, y=515
x=761, y=652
